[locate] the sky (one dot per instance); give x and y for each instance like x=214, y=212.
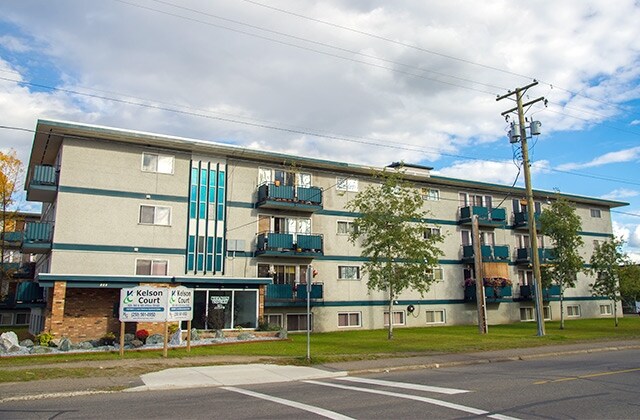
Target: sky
x=362, y=81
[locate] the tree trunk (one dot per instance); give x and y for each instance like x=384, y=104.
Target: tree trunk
x=390, y=333
x=561, y=307
x=615, y=312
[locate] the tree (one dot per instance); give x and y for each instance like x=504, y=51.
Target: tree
x=630, y=283
x=10, y=172
x=606, y=264
x=561, y=223
x=391, y=229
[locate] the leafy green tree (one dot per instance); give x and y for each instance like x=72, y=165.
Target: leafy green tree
x=561, y=223
x=606, y=264
x=630, y=283
x=10, y=172
x=391, y=230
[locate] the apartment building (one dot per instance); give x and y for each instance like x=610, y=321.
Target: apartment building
x=240, y=226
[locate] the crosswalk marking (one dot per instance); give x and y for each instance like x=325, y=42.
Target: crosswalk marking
x=433, y=401
x=404, y=385
x=316, y=410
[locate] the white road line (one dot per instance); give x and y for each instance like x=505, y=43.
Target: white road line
x=404, y=385
x=433, y=401
x=316, y=410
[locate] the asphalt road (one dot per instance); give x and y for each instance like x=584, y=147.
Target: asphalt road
x=601, y=385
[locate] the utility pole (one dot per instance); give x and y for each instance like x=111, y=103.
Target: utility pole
x=533, y=234
x=479, y=274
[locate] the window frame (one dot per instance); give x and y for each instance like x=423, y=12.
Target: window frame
x=280, y=316
x=152, y=261
x=346, y=184
x=340, y=273
x=386, y=317
x=577, y=312
x=430, y=194
x=595, y=213
x=431, y=231
x=433, y=273
x=157, y=163
x=433, y=311
x=155, y=214
x=608, y=312
x=350, y=224
x=348, y=315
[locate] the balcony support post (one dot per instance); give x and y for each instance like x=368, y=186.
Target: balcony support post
x=477, y=256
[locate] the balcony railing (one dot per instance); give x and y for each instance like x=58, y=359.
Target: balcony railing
x=288, y=292
x=528, y=292
x=523, y=255
x=490, y=293
x=490, y=253
x=486, y=216
x=521, y=220
x=37, y=237
x=43, y=185
x=17, y=270
x=277, y=196
x=289, y=244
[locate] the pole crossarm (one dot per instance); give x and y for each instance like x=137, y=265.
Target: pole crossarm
x=532, y=84
x=523, y=105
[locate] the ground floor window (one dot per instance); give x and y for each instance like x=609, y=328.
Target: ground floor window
x=14, y=318
x=6, y=319
x=573, y=311
x=298, y=322
x=398, y=318
x=605, y=310
x=436, y=317
x=218, y=309
x=274, y=319
x=529, y=314
x=349, y=319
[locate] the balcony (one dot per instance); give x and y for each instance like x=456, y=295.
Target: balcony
x=524, y=257
x=290, y=293
x=18, y=270
x=490, y=253
x=521, y=220
x=37, y=238
x=289, y=197
x=486, y=217
x=23, y=294
x=289, y=245
x=12, y=240
x=528, y=292
x=43, y=184
x=491, y=294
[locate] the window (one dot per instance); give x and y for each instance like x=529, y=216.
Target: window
x=477, y=200
x=283, y=274
x=525, y=277
x=347, y=184
x=274, y=319
x=348, y=272
x=349, y=319
x=151, y=267
x=546, y=313
x=430, y=194
x=596, y=213
x=155, y=215
x=162, y=164
x=398, y=318
x=6, y=319
x=282, y=177
x=429, y=232
x=573, y=311
x=605, y=310
x=436, y=273
x=435, y=317
x=22, y=319
x=520, y=206
x=298, y=322
x=529, y=314
x=345, y=228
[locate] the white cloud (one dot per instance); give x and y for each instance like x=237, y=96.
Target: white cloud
x=626, y=155
x=14, y=44
x=620, y=194
x=635, y=122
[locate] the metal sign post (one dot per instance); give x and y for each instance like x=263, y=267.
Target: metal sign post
x=309, y=277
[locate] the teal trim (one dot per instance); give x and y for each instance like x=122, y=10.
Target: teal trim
x=47, y=280
x=597, y=234
x=240, y=205
x=117, y=248
x=122, y=194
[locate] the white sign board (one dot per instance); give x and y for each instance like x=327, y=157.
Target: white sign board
x=180, y=307
x=144, y=304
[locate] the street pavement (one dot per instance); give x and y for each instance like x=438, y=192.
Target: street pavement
x=234, y=371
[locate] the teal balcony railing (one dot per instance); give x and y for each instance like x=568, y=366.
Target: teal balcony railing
x=287, y=292
x=279, y=196
x=528, y=292
x=490, y=253
x=490, y=293
x=43, y=184
x=523, y=255
x=521, y=220
x=37, y=237
x=486, y=216
x=289, y=244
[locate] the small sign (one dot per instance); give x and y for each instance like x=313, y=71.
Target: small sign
x=180, y=307
x=144, y=304
x=219, y=302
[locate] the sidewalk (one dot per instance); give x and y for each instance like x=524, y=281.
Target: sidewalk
x=251, y=370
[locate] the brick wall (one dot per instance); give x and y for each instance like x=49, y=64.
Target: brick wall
x=89, y=314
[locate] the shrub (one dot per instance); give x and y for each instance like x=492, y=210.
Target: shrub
x=108, y=339
x=142, y=335
x=44, y=338
x=173, y=328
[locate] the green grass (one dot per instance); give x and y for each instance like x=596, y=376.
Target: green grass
x=349, y=345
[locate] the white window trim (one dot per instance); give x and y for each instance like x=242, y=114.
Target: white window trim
x=578, y=311
x=426, y=194
x=444, y=317
x=436, y=270
x=607, y=305
x=533, y=313
x=140, y=222
x=346, y=184
x=348, y=314
x=404, y=318
x=358, y=269
x=350, y=226
x=598, y=213
x=281, y=316
x=135, y=268
x=158, y=155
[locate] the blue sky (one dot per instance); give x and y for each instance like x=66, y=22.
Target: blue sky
x=367, y=81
